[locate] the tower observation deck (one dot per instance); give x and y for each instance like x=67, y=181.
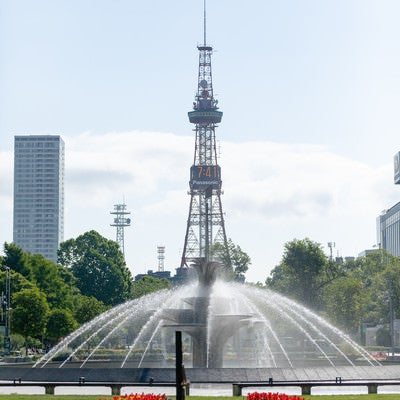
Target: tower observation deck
x=205, y=224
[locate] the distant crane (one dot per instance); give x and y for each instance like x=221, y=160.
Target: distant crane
x=120, y=221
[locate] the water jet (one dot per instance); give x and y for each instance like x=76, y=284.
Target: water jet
x=224, y=324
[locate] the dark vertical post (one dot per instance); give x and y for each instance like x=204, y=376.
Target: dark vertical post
x=207, y=244
x=180, y=392
x=207, y=196
x=7, y=304
x=391, y=316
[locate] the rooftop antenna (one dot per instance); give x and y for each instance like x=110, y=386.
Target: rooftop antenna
x=205, y=23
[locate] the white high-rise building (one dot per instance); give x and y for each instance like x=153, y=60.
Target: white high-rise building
x=39, y=194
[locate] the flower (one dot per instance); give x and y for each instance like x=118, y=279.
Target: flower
x=138, y=396
x=272, y=396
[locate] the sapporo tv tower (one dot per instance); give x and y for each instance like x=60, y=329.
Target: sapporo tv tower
x=205, y=224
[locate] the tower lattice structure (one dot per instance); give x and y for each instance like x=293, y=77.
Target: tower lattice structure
x=161, y=258
x=120, y=222
x=205, y=224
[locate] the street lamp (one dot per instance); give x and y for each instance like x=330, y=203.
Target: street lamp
x=6, y=305
x=390, y=298
x=391, y=316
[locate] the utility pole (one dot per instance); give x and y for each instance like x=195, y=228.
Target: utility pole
x=6, y=306
x=331, y=245
x=391, y=316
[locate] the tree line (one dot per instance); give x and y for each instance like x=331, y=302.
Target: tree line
x=352, y=294
x=49, y=300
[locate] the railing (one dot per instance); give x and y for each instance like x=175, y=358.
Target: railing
x=237, y=387
x=115, y=386
x=306, y=386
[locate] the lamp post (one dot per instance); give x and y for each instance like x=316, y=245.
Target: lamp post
x=6, y=304
x=391, y=306
x=391, y=316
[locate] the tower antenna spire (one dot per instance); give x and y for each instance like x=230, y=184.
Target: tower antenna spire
x=205, y=24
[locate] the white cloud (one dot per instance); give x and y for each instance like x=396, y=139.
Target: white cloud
x=6, y=197
x=6, y=180
x=273, y=193
x=142, y=161
x=281, y=181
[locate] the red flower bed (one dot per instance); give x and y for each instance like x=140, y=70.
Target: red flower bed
x=137, y=396
x=272, y=396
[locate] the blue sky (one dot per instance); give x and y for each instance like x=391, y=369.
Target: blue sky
x=310, y=92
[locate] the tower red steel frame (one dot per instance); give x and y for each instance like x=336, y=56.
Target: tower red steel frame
x=205, y=224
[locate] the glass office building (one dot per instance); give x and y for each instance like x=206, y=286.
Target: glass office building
x=388, y=230
x=39, y=194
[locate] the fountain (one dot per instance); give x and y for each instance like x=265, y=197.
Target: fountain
x=224, y=325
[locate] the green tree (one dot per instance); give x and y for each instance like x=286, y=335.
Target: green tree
x=235, y=261
x=17, y=282
x=99, y=267
x=54, y=280
x=379, y=273
x=303, y=272
x=87, y=308
x=30, y=313
x=17, y=341
x=383, y=337
x=384, y=290
x=149, y=284
x=344, y=303
x=16, y=259
x=59, y=324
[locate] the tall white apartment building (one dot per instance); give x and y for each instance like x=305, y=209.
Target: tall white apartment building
x=39, y=194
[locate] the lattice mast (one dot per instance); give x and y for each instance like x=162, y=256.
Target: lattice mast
x=160, y=258
x=120, y=222
x=205, y=224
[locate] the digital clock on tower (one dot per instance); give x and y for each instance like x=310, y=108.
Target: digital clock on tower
x=202, y=176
